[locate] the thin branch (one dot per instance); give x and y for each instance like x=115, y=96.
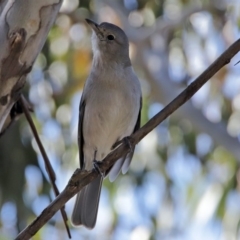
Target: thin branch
x=48, y=165
x=82, y=178
x=160, y=26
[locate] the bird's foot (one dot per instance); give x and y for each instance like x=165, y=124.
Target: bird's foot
x=96, y=166
x=127, y=140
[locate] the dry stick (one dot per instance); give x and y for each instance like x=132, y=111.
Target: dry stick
x=48, y=165
x=82, y=178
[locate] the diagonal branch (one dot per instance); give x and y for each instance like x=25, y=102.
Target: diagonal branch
x=82, y=178
x=164, y=89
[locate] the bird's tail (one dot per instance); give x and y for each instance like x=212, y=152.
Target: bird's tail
x=86, y=205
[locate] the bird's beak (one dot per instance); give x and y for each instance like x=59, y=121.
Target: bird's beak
x=93, y=25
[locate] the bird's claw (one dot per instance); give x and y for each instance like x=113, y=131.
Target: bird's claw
x=127, y=141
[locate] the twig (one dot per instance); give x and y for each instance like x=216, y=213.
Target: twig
x=13, y=116
x=82, y=178
x=48, y=165
x=143, y=33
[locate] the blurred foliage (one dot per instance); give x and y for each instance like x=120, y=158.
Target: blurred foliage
x=181, y=184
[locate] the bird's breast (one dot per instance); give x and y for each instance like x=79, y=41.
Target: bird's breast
x=111, y=113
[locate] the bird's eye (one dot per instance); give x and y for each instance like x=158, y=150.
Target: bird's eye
x=110, y=37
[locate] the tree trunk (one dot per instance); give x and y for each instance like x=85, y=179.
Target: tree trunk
x=24, y=26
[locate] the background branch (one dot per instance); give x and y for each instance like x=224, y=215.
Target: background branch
x=48, y=166
x=82, y=178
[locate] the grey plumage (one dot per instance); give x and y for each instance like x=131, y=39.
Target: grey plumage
x=109, y=111
x=86, y=207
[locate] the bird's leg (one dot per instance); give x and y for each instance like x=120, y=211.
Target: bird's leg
x=96, y=165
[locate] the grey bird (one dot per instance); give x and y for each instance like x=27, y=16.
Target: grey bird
x=109, y=111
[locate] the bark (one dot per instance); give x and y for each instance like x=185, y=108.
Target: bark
x=24, y=26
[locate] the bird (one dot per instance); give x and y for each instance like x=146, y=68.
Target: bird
x=109, y=111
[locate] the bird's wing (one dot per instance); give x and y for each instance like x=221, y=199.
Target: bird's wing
x=124, y=162
x=80, y=132
x=138, y=123
x=129, y=156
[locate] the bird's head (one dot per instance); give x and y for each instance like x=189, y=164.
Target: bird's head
x=110, y=42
